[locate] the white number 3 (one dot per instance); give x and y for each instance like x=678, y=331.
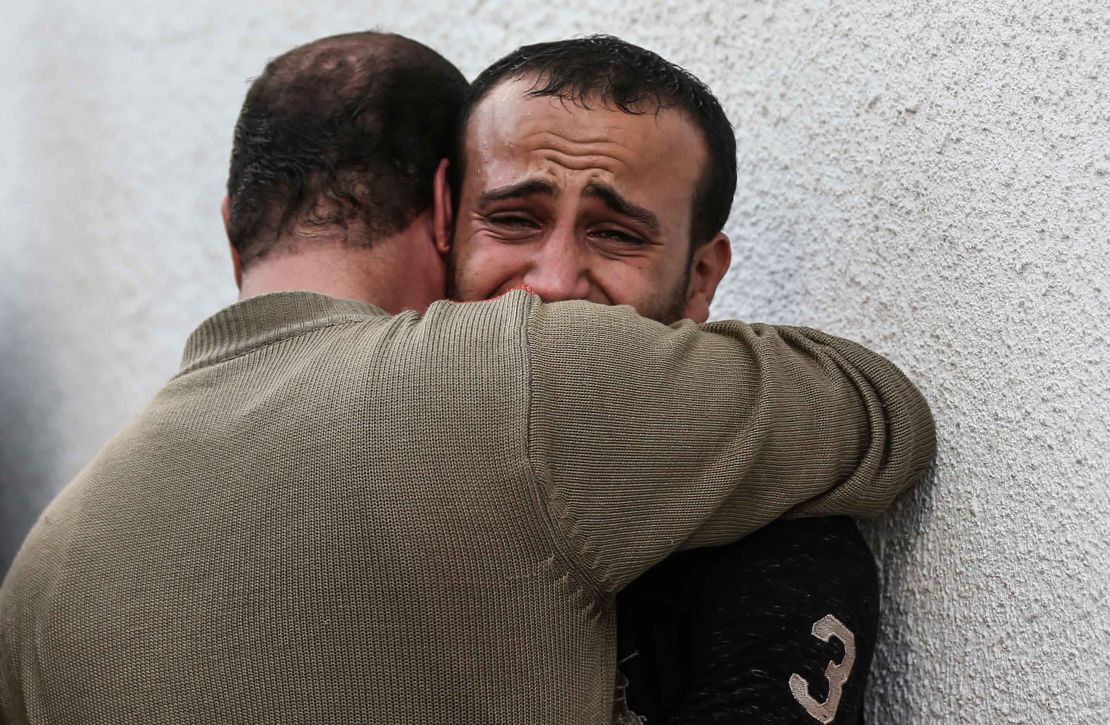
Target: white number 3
x=836, y=672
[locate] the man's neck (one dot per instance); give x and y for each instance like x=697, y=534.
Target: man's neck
x=334, y=270
x=403, y=271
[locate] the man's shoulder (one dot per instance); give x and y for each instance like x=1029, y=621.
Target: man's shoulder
x=299, y=323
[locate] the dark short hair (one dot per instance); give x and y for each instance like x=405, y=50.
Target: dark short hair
x=359, y=121
x=605, y=69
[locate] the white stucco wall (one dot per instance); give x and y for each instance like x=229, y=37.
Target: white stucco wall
x=930, y=179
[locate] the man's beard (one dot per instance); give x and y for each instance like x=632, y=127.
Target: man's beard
x=667, y=308
x=673, y=305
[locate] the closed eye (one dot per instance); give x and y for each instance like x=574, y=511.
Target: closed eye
x=617, y=235
x=512, y=221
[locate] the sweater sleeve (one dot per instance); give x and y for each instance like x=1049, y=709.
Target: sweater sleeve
x=645, y=438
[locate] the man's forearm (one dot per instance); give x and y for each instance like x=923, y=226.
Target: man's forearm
x=648, y=438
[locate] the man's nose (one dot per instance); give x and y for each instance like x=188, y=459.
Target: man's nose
x=559, y=270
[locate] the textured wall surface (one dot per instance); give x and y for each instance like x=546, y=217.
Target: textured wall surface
x=932, y=181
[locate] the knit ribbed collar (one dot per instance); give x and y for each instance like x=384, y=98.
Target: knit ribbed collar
x=265, y=319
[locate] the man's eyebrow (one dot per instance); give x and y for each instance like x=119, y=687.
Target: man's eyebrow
x=518, y=190
x=609, y=196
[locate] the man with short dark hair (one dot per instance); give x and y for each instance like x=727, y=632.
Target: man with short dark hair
x=330, y=174
x=594, y=169
x=338, y=514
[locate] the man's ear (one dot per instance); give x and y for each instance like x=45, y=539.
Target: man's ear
x=225, y=212
x=236, y=263
x=237, y=267
x=443, y=213
x=708, y=266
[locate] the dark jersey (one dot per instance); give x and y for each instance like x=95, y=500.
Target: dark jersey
x=778, y=627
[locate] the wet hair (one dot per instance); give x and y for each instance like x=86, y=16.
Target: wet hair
x=345, y=129
x=607, y=70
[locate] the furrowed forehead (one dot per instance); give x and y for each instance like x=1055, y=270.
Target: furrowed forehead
x=530, y=86
x=510, y=121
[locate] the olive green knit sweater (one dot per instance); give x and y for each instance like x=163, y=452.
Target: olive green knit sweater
x=331, y=515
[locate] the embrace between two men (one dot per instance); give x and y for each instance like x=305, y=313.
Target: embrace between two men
x=358, y=502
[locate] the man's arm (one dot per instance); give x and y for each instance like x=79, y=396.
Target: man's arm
x=776, y=628
x=646, y=439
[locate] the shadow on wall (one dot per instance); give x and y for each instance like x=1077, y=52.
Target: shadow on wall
x=27, y=429
x=51, y=273
x=894, y=539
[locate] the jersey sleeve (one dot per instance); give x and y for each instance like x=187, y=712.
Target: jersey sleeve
x=646, y=438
